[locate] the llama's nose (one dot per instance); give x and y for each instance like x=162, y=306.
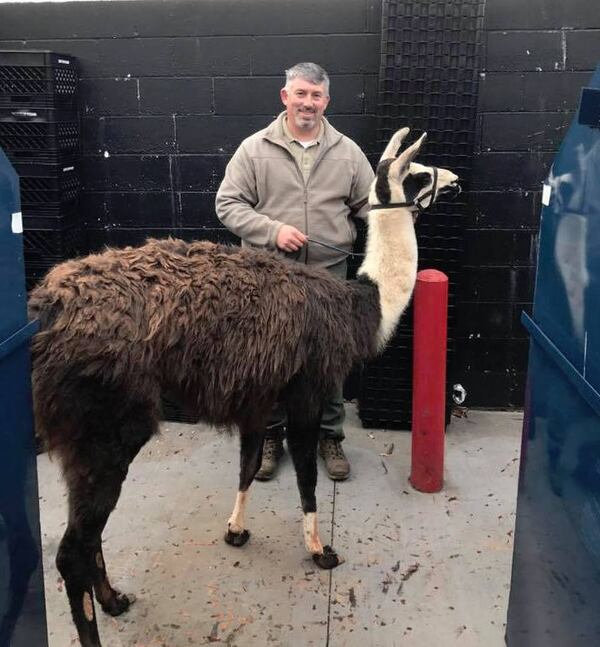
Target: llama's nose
x=451, y=190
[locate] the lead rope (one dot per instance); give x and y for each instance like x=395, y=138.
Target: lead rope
x=337, y=249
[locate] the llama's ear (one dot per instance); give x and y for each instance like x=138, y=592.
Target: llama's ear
x=391, y=150
x=407, y=156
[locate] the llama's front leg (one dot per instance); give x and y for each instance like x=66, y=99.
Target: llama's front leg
x=312, y=541
x=251, y=444
x=237, y=535
x=302, y=444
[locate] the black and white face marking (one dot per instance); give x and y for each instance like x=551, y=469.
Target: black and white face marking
x=414, y=184
x=382, y=183
x=446, y=182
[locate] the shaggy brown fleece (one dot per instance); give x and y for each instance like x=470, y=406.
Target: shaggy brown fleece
x=224, y=326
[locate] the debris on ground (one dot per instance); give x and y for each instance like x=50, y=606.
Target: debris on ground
x=352, y=597
x=408, y=573
x=386, y=583
x=460, y=412
x=214, y=634
x=514, y=460
x=388, y=449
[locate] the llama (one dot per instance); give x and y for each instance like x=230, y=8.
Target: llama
x=230, y=330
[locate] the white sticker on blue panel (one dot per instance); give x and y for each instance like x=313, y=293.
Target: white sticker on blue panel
x=546, y=191
x=17, y=223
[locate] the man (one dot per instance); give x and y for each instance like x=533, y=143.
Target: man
x=299, y=177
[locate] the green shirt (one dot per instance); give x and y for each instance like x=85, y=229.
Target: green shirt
x=305, y=156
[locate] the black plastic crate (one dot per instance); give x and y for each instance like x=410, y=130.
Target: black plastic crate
x=50, y=179
x=40, y=135
x=48, y=190
x=47, y=203
x=59, y=157
x=32, y=206
x=381, y=418
x=43, y=248
x=55, y=221
x=37, y=78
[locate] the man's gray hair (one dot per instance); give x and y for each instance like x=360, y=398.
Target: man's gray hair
x=310, y=72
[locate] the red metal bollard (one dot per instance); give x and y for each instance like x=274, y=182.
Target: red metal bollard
x=429, y=380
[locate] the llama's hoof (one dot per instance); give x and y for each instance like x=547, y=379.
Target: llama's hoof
x=237, y=539
x=119, y=604
x=329, y=558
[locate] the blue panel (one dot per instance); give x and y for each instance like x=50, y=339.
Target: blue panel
x=555, y=585
x=589, y=107
x=12, y=279
x=569, y=254
x=22, y=607
x=555, y=588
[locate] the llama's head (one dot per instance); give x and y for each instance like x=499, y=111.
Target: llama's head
x=401, y=182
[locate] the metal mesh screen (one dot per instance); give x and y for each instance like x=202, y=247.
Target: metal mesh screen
x=428, y=80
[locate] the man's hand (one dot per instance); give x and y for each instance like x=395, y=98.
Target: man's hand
x=290, y=239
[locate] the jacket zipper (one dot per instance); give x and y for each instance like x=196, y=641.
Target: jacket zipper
x=305, y=200
x=304, y=183
x=312, y=168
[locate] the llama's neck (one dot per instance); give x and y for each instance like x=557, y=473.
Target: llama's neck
x=391, y=263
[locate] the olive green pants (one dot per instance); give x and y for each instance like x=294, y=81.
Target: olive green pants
x=332, y=419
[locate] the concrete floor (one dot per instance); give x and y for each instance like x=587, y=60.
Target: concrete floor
x=420, y=569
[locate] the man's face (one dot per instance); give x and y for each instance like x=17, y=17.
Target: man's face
x=305, y=103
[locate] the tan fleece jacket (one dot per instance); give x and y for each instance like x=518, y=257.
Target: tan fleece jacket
x=264, y=188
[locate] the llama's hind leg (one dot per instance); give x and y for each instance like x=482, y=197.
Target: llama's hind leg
x=95, y=469
x=251, y=445
x=112, y=601
x=90, y=504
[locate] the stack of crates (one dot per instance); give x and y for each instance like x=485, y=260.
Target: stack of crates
x=39, y=132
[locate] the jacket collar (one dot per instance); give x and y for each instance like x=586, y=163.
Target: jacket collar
x=289, y=138
x=275, y=134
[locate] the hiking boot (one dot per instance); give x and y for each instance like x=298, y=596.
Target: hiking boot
x=336, y=462
x=272, y=452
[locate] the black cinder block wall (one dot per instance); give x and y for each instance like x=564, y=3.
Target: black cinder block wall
x=170, y=88
x=537, y=56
